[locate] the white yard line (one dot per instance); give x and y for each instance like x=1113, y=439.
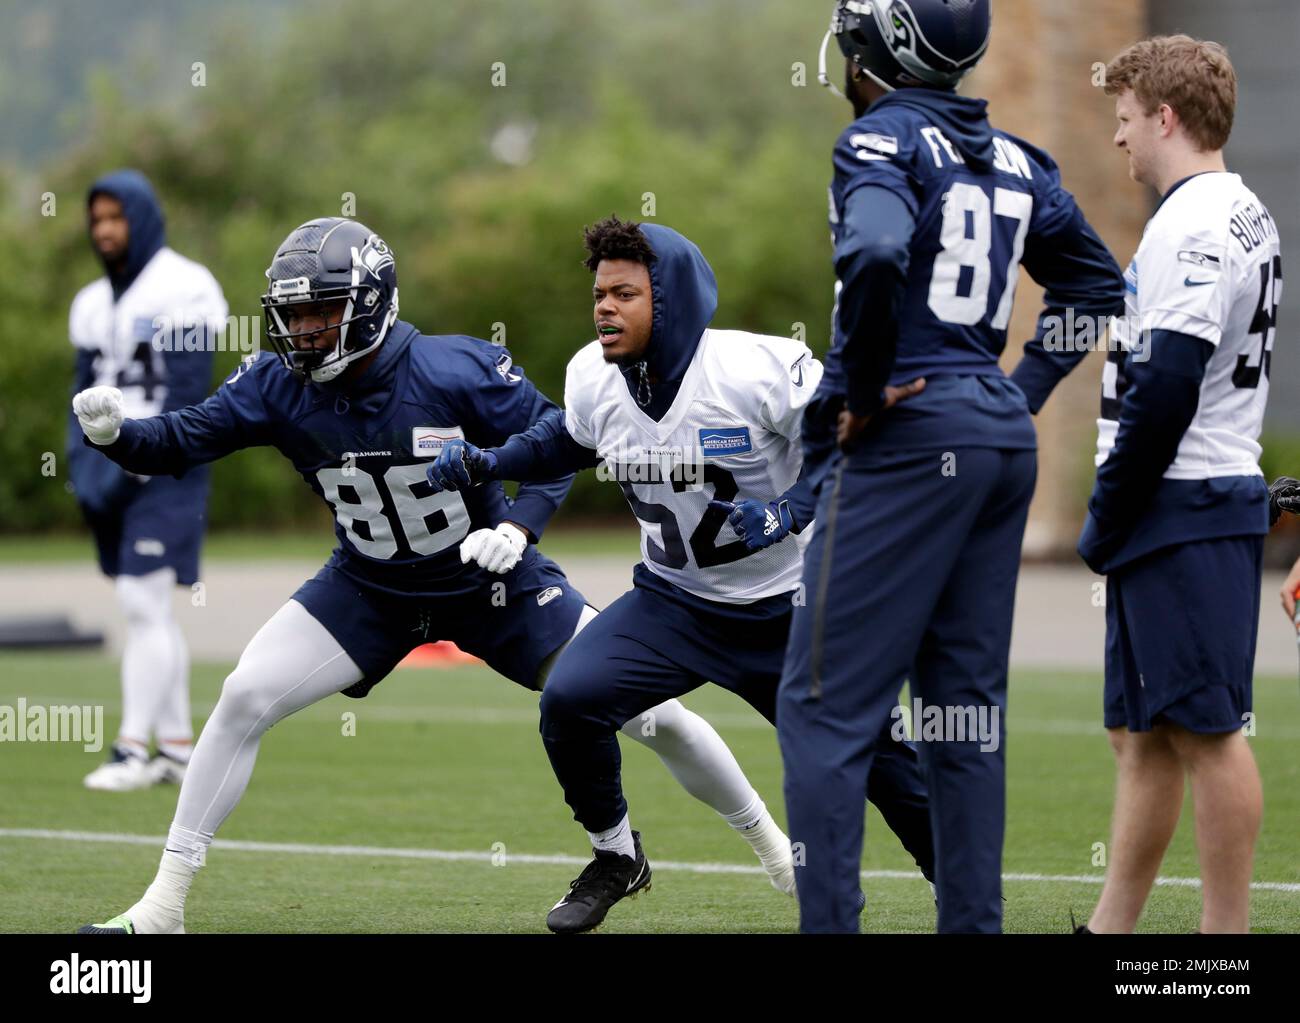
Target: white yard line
x=451, y=715
x=477, y=856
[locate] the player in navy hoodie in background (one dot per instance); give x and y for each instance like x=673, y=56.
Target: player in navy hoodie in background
x=911, y=573
x=147, y=327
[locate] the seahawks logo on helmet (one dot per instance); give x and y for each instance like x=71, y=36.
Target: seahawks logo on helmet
x=900, y=43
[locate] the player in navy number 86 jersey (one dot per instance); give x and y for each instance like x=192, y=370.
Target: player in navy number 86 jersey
x=360, y=402
x=912, y=571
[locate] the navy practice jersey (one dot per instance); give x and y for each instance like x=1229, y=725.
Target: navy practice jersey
x=983, y=202
x=366, y=453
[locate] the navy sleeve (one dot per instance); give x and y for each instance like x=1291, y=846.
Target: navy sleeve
x=1158, y=406
x=819, y=425
x=866, y=155
x=1084, y=287
x=871, y=260
x=802, y=496
x=174, y=442
x=83, y=376
x=543, y=450
x=98, y=484
x=505, y=404
x=188, y=362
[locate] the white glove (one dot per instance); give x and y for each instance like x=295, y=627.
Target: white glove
x=99, y=411
x=497, y=550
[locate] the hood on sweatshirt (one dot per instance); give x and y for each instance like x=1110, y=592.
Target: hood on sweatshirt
x=684, y=296
x=371, y=392
x=965, y=121
x=145, y=224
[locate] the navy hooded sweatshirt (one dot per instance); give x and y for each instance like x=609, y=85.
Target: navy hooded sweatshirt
x=100, y=486
x=684, y=294
x=932, y=208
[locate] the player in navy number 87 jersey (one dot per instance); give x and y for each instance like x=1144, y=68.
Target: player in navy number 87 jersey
x=912, y=571
x=360, y=402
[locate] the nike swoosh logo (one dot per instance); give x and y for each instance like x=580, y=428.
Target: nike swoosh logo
x=636, y=880
x=1195, y=284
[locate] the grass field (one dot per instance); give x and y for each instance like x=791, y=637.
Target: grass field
x=449, y=762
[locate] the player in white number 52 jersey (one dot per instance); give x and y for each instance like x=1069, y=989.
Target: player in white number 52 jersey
x=701, y=428
x=1178, y=515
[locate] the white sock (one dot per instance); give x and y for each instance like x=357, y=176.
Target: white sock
x=189, y=846
x=748, y=817
x=758, y=828
x=180, y=751
x=162, y=908
x=133, y=748
x=695, y=755
x=769, y=842
x=617, y=839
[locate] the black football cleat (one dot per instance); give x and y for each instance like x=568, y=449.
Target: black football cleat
x=606, y=879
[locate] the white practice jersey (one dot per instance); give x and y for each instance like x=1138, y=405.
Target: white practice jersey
x=732, y=433
x=1209, y=265
x=170, y=292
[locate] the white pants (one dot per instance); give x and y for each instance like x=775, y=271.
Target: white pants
x=293, y=662
x=155, y=661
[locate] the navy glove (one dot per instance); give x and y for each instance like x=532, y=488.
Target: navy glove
x=757, y=523
x=460, y=466
x=1283, y=496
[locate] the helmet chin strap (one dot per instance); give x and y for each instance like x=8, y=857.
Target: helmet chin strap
x=879, y=81
x=324, y=374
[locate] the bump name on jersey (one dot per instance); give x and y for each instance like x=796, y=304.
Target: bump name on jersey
x=1252, y=225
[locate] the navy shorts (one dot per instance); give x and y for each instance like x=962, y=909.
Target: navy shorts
x=657, y=642
x=162, y=526
x=513, y=627
x=1181, y=626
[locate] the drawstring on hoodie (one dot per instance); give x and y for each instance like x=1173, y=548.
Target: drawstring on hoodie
x=684, y=297
x=642, y=384
x=341, y=405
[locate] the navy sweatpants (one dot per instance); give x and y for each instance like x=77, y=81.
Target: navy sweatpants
x=910, y=574
x=657, y=642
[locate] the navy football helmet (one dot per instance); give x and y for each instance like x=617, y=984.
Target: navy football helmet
x=900, y=43
x=326, y=260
